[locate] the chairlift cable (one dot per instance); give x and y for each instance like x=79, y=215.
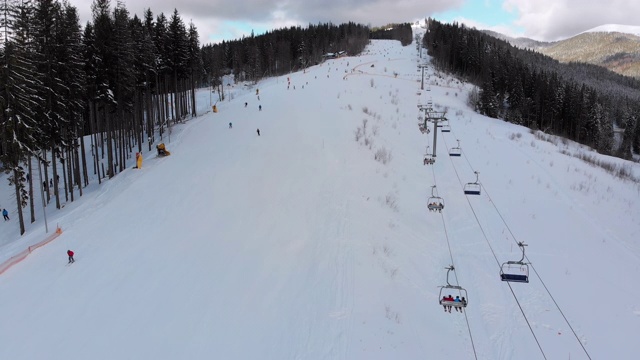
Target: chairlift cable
x=538, y=276
x=484, y=234
x=532, y=267
x=514, y=238
x=446, y=235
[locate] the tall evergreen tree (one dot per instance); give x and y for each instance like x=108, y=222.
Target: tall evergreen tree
x=19, y=132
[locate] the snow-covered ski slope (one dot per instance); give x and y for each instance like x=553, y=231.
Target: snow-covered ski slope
x=299, y=244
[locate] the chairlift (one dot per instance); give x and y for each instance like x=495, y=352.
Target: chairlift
x=455, y=151
x=442, y=299
x=435, y=203
x=428, y=158
x=444, y=125
x=515, y=271
x=472, y=188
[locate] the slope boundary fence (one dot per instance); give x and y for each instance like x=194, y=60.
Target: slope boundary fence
x=24, y=253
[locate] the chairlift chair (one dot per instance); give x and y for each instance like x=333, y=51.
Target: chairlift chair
x=455, y=151
x=515, y=271
x=452, y=288
x=428, y=158
x=423, y=129
x=445, y=128
x=435, y=203
x=473, y=188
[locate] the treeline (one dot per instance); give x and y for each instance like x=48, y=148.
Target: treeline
x=123, y=80
x=279, y=51
x=400, y=32
x=578, y=101
x=118, y=85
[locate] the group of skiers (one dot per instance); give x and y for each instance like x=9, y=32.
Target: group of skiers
x=247, y=104
x=435, y=207
x=448, y=300
x=231, y=127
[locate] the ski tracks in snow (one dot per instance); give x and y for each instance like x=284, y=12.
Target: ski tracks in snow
x=329, y=320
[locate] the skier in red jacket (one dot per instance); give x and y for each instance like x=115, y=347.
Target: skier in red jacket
x=70, y=253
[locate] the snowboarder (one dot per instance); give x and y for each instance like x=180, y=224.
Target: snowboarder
x=70, y=253
x=230, y=125
x=5, y=213
x=258, y=132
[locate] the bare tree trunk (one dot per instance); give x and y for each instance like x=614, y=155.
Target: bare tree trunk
x=16, y=176
x=77, y=156
x=194, y=111
x=45, y=181
x=55, y=176
x=31, y=204
x=109, y=131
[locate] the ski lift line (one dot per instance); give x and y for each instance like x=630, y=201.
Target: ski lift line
x=538, y=276
x=466, y=318
x=446, y=235
x=484, y=234
x=463, y=154
x=532, y=267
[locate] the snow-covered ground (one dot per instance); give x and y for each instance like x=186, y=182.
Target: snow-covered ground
x=300, y=244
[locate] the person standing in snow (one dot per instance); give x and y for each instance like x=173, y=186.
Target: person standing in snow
x=260, y=107
x=5, y=213
x=70, y=253
x=230, y=125
x=258, y=132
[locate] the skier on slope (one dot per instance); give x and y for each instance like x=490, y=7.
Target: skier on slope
x=71, y=259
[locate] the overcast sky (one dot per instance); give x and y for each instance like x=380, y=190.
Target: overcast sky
x=546, y=20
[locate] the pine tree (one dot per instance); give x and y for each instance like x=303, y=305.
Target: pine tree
x=177, y=56
x=196, y=67
x=71, y=73
x=19, y=132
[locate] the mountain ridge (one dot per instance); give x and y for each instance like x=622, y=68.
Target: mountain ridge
x=611, y=46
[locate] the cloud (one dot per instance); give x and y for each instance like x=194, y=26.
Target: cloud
x=215, y=18
x=559, y=19
x=502, y=28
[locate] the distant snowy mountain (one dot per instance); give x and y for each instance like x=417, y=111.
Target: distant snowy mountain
x=627, y=29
